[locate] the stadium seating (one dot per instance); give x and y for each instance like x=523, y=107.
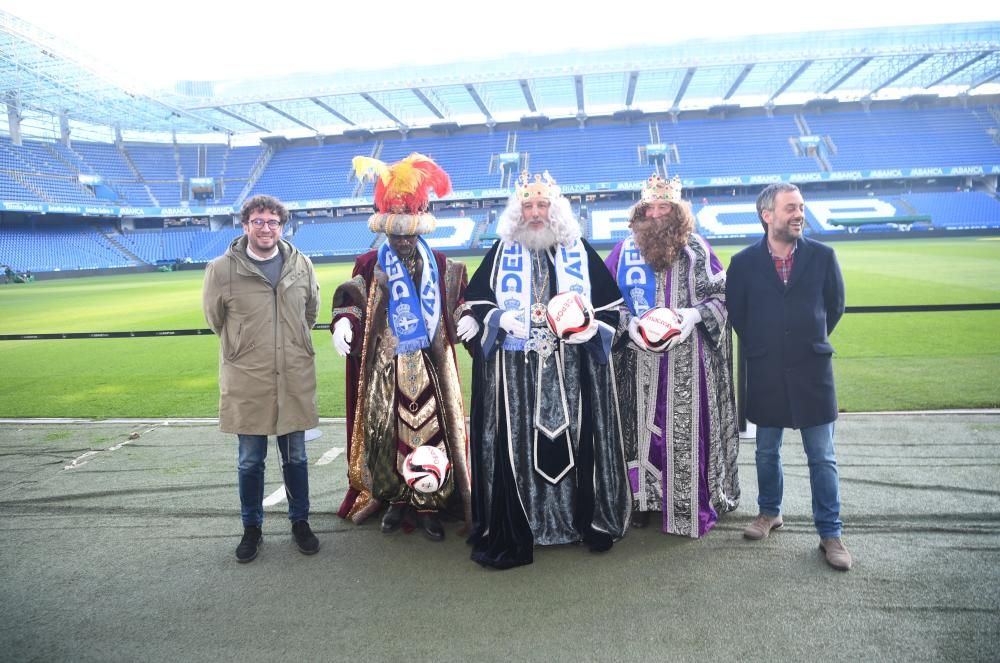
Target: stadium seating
x=58, y=248
x=43, y=171
x=10, y=189
x=907, y=139
x=232, y=166
x=603, y=153
x=146, y=174
x=159, y=246
x=466, y=158
x=325, y=236
x=968, y=209
x=310, y=173
x=187, y=160
x=151, y=175
x=35, y=171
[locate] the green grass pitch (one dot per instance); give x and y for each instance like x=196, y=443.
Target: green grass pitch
x=900, y=361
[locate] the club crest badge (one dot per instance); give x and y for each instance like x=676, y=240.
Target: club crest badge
x=404, y=322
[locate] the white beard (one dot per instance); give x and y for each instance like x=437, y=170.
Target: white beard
x=536, y=239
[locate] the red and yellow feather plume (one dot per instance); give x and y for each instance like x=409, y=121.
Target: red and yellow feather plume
x=404, y=186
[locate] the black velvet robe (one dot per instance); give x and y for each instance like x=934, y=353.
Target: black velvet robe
x=530, y=488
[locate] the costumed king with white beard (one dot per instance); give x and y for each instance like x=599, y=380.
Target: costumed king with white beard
x=547, y=460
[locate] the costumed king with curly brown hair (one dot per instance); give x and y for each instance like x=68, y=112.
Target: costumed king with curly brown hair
x=678, y=407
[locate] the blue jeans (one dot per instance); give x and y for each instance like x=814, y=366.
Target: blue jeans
x=294, y=467
x=823, y=479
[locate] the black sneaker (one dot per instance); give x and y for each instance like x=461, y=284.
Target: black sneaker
x=249, y=545
x=304, y=538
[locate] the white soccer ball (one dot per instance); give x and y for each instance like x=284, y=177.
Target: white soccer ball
x=426, y=468
x=568, y=313
x=660, y=329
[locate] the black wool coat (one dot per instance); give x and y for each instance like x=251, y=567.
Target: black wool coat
x=785, y=333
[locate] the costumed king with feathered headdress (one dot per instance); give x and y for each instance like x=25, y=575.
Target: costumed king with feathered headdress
x=678, y=407
x=548, y=464
x=397, y=321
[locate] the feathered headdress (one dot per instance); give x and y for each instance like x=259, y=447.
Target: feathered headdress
x=401, y=193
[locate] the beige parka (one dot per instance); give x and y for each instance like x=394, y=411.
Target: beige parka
x=267, y=368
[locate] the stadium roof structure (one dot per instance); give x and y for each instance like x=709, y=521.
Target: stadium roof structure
x=48, y=86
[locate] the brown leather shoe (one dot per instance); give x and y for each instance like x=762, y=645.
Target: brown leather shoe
x=761, y=527
x=836, y=553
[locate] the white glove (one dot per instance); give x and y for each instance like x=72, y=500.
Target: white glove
x=342, y=336
x=633, y=332
x=467, y=327
x=512, y=324
x=583, y=336
x=689, y=318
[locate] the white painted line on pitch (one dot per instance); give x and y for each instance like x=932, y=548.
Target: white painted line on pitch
x=83, y=459
x=277, y=497
x=79, y=460
x=329, y=456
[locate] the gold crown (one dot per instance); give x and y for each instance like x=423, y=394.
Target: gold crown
x=543, y=186
x=657, y=188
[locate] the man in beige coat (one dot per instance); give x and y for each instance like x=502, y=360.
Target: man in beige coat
x=261, y=299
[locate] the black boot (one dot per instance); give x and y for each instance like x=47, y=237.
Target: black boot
x=393, y=517
x=431, y=524
x=249, y=545
x=306, y=541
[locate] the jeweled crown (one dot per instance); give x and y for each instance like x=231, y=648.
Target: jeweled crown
x=657, y=188
x=542, y=187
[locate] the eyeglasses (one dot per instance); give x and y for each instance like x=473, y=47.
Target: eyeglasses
x=260, y=223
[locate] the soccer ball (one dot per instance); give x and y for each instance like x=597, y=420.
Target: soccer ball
x=426, y=468
x=568, y=313
x=660, y=329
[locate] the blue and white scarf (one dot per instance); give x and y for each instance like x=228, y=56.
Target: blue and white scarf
x=413, y=330
x=636, y=279
x=513, y=281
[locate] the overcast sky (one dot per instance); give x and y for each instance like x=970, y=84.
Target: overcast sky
x=163, y=41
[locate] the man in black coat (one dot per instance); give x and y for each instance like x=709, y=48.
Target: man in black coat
x=785, y=295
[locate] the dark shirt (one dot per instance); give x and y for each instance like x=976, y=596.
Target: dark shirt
x=271, y=267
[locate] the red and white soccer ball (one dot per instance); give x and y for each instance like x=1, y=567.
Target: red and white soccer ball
x=660, y=329
x=569, y=313
x=426, y=468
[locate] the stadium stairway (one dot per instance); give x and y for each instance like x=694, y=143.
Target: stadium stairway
x=110, y=236
x=478, y=231
x=908, y=206
x=255, y=173
x=137, y=173
x=30, y=186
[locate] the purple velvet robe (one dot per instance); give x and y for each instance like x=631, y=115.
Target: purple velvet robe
x=679, y=408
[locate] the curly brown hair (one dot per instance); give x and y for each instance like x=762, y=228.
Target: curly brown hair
x=659, y=242
x=262, y=202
